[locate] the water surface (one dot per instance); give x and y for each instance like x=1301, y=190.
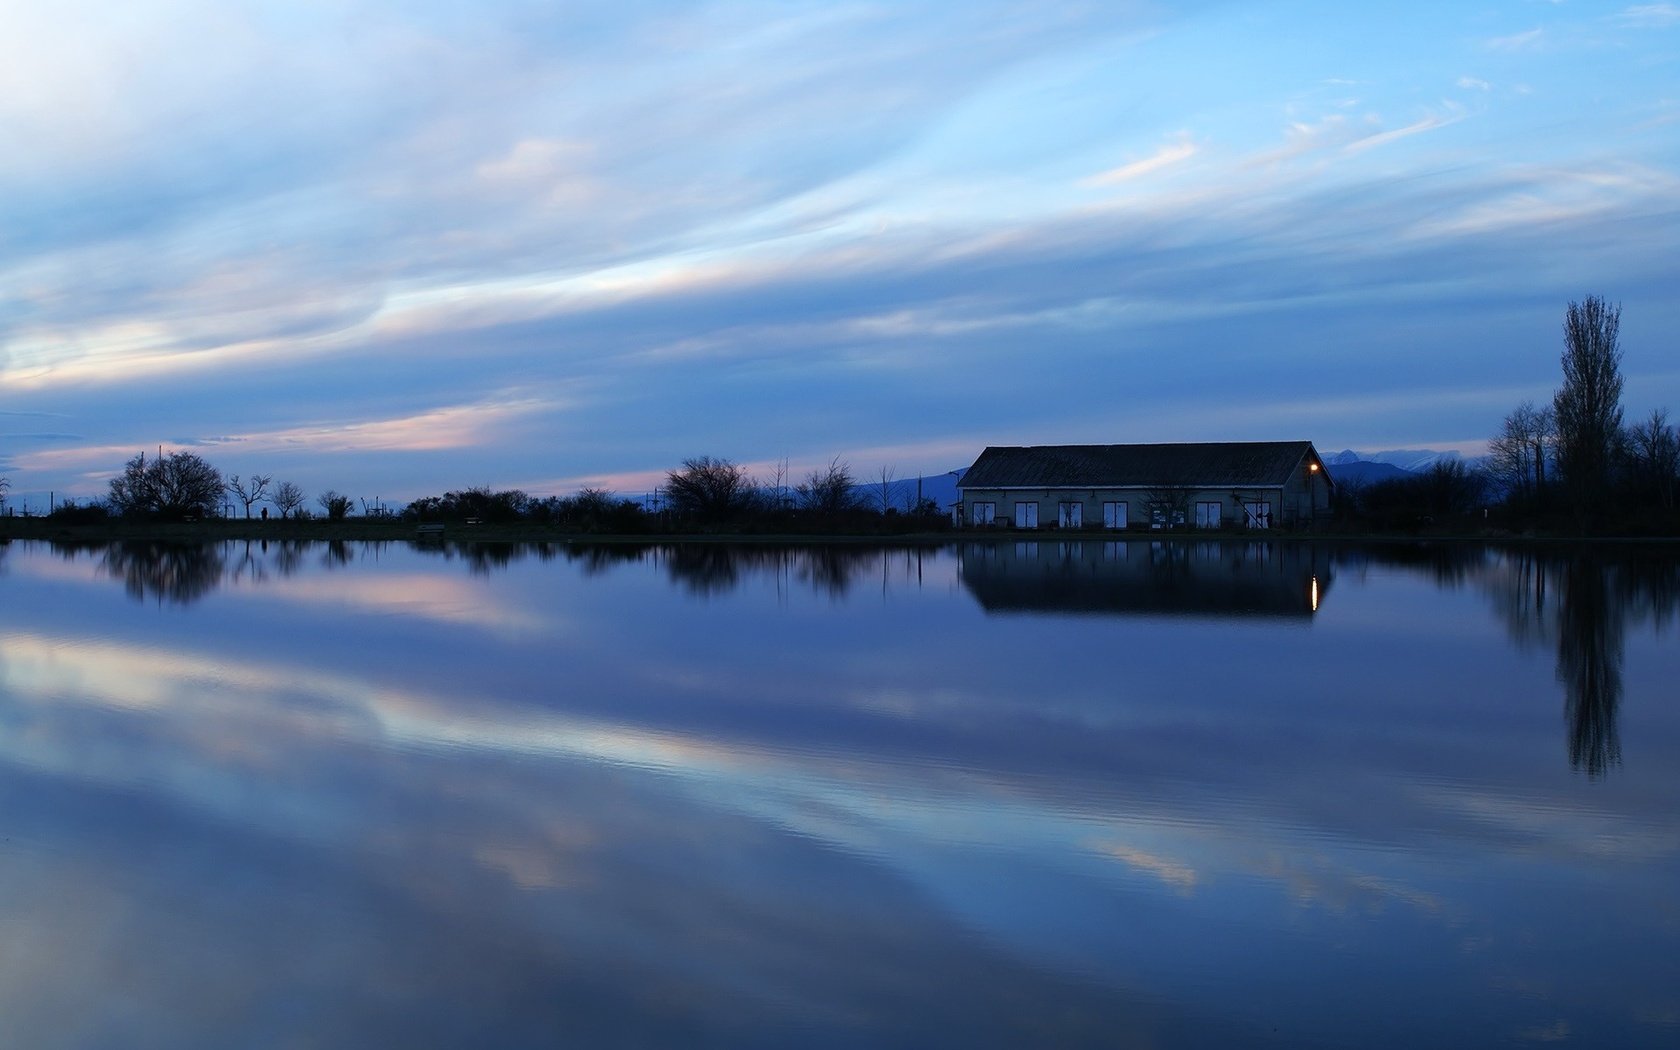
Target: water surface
x=1075, y=794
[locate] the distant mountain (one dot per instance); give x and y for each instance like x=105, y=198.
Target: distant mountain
x=941, y=488
x=1359, y=472
x=1412, y=460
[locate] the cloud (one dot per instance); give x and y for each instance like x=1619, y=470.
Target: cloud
x=1529, y=40
x=1429, y=123
x=1649, y=16
x=430, y=430
x=1164, y=157
x=1179, y=876
x=696, y=218
x=454, y=426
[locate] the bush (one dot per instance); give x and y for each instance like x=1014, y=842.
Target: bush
x=93, y=512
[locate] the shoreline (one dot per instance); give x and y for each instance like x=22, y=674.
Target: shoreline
x=367, y=530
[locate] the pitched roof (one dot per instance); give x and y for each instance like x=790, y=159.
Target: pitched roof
x=1218, y=464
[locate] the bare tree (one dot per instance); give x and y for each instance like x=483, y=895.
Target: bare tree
x=5, y=487
x=287, y=498
x=1654, y=448
x=1589, y=404
x=830, y=490
x=709, y=489
x=776, y=490
x=1519, y=454
x=250, y=491
x=885, y=489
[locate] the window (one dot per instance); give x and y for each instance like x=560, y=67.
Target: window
x=1026, y=515
x=1207, y=515
x=1071, y=516
x=1114, y=515
x=982, y=513
x=1257, y=514
x=1165, y=516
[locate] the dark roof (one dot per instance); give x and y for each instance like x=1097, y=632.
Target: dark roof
x=1217, y=464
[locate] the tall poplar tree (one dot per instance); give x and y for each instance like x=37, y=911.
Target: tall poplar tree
x=1588, y=406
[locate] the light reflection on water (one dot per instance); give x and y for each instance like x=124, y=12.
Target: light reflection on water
x=1086, y=793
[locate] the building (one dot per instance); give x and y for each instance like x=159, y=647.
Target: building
x=1210, y=485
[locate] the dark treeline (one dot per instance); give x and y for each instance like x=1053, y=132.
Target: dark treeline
x=704, y=495
x=1570, y=467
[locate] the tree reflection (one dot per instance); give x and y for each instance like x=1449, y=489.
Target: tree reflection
x=173, y=572
x=1589, y=665
x=707, y=569
x=596, y=558
x=1581, y=604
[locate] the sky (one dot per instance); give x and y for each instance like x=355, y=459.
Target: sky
x=395, y=250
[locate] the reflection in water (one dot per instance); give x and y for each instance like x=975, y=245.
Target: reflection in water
x=403, y=797
x=179, y=573
x=1574, y=603
x=1578, y=603
x=184, y=573
x=832, y=569
x=1148, y=577
x=1589, y=664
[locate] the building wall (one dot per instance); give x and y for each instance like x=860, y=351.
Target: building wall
x=1306, y=497
x=1284, y=504
x=1302, y=501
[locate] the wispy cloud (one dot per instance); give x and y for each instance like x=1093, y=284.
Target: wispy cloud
x=303, y=235
x=1183, y=148
x=1429, y=123
x=1527, y=40
x=454, y=426
x=1649, y=16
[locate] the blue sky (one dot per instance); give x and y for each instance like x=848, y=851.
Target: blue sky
x=395, y=252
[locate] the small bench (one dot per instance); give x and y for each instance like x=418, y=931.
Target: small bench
x=429, y=530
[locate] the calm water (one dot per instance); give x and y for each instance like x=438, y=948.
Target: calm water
x=1008, y=795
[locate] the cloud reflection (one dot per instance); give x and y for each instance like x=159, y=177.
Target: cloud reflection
x=818, y=810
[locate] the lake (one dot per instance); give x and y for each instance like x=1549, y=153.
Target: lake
x=1086, y=793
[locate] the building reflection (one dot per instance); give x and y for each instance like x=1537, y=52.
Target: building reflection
x=1258, y=579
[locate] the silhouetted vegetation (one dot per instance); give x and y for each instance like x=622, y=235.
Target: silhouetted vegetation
x=1588, y=405
x=710, y=491
x=249, y=491
x=70, y=512
x=335, y=505
x=174, y=486
x=1448, y=495
x=1569, y=467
